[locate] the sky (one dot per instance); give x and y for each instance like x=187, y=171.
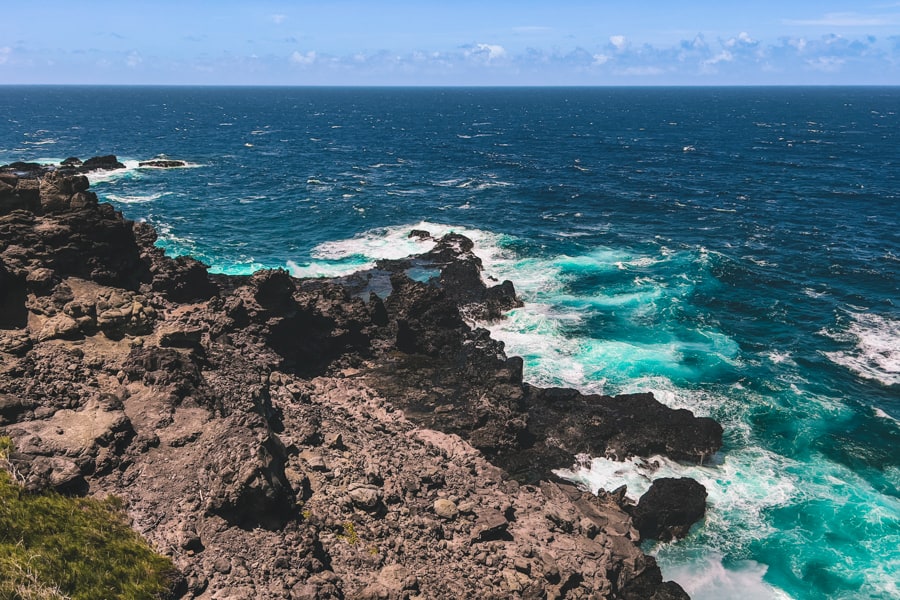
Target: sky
x=452, y=43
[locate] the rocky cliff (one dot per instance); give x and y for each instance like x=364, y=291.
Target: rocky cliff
x=284, y=438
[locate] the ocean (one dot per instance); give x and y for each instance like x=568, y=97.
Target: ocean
x=736, y=251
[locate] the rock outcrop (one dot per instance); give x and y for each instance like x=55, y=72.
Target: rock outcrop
x=287, y=438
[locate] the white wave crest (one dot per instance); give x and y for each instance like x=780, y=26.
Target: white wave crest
x=707, y=578
x=135, y=199
x=131, y=171
x=343, y=257
x=876, y=354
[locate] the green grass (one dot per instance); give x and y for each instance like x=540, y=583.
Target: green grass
x=57, y=547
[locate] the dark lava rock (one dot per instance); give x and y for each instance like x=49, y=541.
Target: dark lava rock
x=619, y=426
x=102, y=163
x=182, y=279
x=669, y=508
x=162, y=164
x=200, y=391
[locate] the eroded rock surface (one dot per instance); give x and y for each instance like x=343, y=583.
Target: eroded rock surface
x=282, y=438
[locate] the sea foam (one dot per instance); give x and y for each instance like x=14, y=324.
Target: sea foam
x=876, y=351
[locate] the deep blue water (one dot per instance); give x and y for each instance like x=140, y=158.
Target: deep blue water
x=734, y=250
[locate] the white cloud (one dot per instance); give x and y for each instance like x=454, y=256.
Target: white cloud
x=486, y=52
x=134, y=59
x=828, y=64
x=618, y=41
x=300, y=58
x=699, y=42
x=5, y=53
x=600, y=59
x=743, y=38
x=723, y=56
x=799, y=43
x=278, y=19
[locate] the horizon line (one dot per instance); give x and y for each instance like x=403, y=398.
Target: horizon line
x=459, y=86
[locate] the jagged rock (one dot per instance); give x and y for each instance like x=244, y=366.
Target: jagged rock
x=104, y=163
x=394, y=582
x=491, y=525
x=12, y=407
x=41, y=281
x=669, y=508
x=364, y=496
x=172, y=389
x=179, y=336
x=120, y=313
x=16, y=342
x=58, y=192
x=162, y=164
x=60, y=326
x=248, y=483
x=18, y=193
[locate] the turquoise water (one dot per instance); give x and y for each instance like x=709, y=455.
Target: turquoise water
x=736, y=251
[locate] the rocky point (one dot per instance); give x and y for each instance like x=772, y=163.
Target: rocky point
x=321, y=438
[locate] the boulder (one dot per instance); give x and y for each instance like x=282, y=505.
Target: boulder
x=365, y=496
x=248, y=485
x=669, y=508
x=18, y=193
x=58, y=190
x=491, y=524
x=101, y=163
x=445, y=509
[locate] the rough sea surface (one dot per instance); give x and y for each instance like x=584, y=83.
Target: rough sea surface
x=734, y=250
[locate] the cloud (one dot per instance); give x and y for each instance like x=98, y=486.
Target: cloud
x=278, y=19
x=742, y=57
x=134, y=59
x=485, y=52
x=299, y=58
x=723, y=56
x=743, y=39
x=827, y=64
x=618, y=41
x=5, y=53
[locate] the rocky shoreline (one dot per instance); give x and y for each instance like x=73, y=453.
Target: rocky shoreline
x=343, y=438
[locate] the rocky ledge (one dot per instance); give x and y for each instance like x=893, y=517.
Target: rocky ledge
x=285, y=438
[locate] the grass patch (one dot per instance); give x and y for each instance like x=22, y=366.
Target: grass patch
x=53, y=547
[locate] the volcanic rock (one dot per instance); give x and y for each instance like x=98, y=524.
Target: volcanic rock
x=105, y=163
x=669, y=508
x=162, y=164
x=287, y=438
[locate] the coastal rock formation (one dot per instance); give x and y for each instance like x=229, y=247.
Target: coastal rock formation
x=162, y=163
x=669, y=508
x=287, y=438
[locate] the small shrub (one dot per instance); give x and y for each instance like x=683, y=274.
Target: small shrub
x=350, y=536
